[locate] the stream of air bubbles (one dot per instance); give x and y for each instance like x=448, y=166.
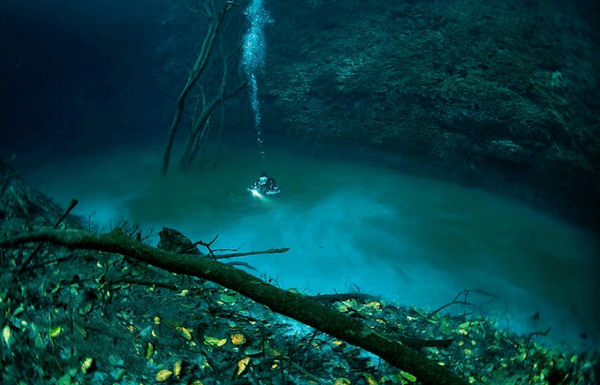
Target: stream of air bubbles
x=253, y=58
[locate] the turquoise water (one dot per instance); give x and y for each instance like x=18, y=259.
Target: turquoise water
x=353, y=227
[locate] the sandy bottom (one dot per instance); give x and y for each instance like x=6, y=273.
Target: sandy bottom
x=356, y=228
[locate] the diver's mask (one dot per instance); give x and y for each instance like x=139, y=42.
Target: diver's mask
x=262, y=180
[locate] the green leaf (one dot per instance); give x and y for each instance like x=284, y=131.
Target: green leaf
x=64, y=380
x=408, y=376
x=55, y=331
x=212, y=341
x=228, y=298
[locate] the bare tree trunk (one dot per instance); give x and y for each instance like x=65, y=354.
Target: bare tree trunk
x=296, y=306
x=216, y=22
x=200, y=128
x=219, y=140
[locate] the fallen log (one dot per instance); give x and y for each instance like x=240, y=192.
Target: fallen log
x=296, y=306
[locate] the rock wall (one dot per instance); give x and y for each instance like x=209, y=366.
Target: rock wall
x=502, y=95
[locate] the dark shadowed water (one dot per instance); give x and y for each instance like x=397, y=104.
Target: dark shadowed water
x=353, y=227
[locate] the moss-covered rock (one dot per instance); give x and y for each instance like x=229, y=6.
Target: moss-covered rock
x=488, y=90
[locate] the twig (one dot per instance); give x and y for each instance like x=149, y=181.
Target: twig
x=456, y=301
x=67, y=211
x=207, y=245
x=145, y=283
x=19, y=201
x=268, y=251
x=39, y=246
x=246, y=265
x=220, y=250
x=332, y=298
x=52, y=261
x=533, y=334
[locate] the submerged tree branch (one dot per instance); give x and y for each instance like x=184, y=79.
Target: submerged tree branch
x=296, y=306
x=268, y=251
x=38, y=248
x=216, y=21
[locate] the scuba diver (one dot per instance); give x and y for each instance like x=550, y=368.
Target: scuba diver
x=265, y=185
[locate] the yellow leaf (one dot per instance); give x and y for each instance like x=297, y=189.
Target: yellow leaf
x=350, y=302
x=86, y=364
x=370, y=379
x=177, y=367
x=241, y=365
x=374, y=305
x=149, y=350
x=184, y=332
x=163, y=375
x=238, y=339
x=6, y=334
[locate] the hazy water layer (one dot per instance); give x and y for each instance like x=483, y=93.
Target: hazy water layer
x=351, y=227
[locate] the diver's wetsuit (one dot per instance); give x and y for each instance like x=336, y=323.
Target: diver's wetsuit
x=268, y=187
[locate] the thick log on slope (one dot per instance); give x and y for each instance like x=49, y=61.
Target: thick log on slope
x=296, y=306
